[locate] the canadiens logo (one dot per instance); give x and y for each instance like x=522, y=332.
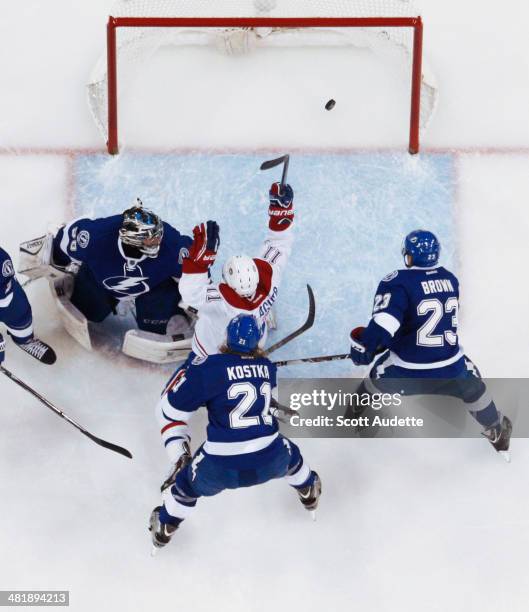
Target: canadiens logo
x=126, y=285
x=7, y=268
x=83, y=239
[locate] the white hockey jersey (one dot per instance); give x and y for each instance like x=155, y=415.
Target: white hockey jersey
x=218, y=304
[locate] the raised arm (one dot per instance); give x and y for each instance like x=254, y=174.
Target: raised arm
x=278, y=242
x=195, y=280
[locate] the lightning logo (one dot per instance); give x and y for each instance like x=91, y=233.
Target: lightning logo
x=125, y=285
x=195, y=463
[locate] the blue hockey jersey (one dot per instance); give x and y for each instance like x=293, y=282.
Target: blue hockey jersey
x=417, y=309
x=96, y=243
x=7, y=278
x=237, y=392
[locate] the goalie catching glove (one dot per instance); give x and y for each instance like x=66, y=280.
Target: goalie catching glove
x=36, y=258
x=204, y=249
x=281, y=209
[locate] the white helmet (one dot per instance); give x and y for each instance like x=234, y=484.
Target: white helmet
x=240, y=273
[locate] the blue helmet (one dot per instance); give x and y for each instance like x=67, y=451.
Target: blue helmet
x=243, y=334
x=423, y=247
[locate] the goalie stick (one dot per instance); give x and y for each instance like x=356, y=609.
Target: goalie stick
x=48, y=404
x=272, y=163
x=307, y=325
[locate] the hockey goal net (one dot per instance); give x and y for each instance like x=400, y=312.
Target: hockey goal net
x=137, y=28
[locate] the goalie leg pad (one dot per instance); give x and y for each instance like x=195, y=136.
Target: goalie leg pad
x=155, y=348
x=73, y=320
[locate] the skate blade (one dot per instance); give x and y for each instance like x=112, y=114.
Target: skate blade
x=154, y=551
x=506, y=455
x=313, y=515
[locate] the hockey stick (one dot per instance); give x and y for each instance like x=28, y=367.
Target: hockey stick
x=103, y=443
x=307, y=325
x=323, y=358
x=312, y=359
x=272, y=163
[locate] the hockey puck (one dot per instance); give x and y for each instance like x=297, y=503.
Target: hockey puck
x=330, y=104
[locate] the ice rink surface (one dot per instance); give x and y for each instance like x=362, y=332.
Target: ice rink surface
x=342, y=203
x=416, y=525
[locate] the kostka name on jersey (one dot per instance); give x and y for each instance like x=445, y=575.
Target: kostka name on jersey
x=247, y=371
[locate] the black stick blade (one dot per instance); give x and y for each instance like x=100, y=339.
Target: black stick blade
x=58, y=412
x=108, y=445
x=285, y=171
x=272, y=163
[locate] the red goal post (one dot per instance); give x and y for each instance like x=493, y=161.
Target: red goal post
x=276, y=23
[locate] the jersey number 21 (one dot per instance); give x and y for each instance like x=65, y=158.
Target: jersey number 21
x=248, y=394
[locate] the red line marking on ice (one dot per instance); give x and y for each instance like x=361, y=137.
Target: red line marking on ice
x=74, y=152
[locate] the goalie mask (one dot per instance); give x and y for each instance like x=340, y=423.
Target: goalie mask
x=142, y=229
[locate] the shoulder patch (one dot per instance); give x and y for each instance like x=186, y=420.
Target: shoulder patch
x=7, y=269
x=199, y=360
x=390, y=276
x=83, y=239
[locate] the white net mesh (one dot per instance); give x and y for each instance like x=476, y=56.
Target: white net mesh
x=274, y=8
x=136, y=45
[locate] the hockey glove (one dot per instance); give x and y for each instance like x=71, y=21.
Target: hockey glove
x=2, y=349
x=281, y=210
x=204, y=249
x=183, y=461
x=360, y=355
x=280, y=412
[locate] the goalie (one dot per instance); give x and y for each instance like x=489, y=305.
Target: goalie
x=98, y=265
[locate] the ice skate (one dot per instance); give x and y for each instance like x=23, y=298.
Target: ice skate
x=309, y=496
x=161, y=533
x=500, y=437
x=38, y=350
